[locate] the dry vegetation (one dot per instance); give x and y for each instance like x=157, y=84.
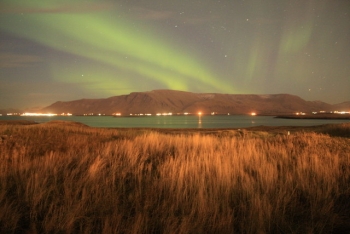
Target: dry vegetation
x=67, y=178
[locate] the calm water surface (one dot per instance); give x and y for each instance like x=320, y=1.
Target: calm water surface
x=218, y=121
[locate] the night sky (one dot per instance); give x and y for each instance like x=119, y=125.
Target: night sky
x=62, y=50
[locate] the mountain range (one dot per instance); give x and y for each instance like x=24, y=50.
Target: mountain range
x=165, y=101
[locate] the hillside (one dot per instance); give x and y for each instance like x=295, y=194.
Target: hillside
x=9, y=110
x=342, y=106
x=160, y=101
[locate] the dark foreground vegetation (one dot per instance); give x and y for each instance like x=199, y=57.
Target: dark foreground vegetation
x=67, y=178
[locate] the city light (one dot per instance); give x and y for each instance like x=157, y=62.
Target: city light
x=37, y=114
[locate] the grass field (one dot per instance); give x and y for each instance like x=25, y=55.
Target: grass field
x=62, y=177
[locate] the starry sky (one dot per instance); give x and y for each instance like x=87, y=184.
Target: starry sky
x=62, y=50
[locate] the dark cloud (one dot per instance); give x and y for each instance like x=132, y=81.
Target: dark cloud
x=63, y=8
x=10, y=60
x=151, y=14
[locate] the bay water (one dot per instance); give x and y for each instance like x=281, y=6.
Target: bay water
x=186, y=121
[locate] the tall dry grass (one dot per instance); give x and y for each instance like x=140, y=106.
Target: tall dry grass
x=71, y=179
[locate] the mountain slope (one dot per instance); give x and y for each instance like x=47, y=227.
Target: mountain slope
x=159, y=101
x=344, y=106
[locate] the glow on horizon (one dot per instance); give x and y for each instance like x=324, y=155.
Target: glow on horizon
x=38, y=114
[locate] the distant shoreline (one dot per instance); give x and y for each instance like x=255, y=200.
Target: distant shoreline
x=315, y=116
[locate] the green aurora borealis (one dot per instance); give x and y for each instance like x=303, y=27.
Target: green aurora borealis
x=64, y=50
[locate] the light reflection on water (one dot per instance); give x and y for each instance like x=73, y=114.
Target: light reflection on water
x=195, y=121
x=200, y=121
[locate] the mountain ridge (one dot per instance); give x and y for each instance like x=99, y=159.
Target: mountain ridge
x=160, y=101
